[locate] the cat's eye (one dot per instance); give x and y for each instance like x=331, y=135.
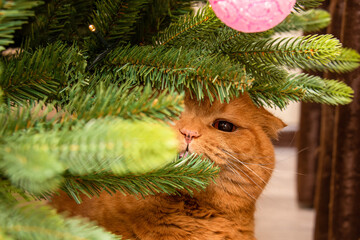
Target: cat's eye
x=224, y=126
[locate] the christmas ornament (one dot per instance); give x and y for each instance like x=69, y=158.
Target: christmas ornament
x=252, y=15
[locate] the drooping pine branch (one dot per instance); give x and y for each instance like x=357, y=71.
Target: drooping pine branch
x=42, y=73
x=116, y=19
x=302, y=5
x=301, y=87
x=34, y=116
x=347, y=61
x=279, y=95
x=309, y=21
x=157, y=16
x=1, y=92
x=226, y=38
x=36, y=162
x=41, y=222
x=305, y=52
x=264, y=73
x=126, y=101
x=320, y=90
x=204, y=75
x=189, y=29
x=11, y=194
x=64, y=20
x=13, y=14
x=188, y=174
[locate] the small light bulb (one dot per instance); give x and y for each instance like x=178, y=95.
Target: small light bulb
x=92, y=28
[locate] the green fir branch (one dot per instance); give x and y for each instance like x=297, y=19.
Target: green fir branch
x=157, y=16
x=309, y=21
x=41, y=74
x=226, y=38
x=30, y=116
x=189, y=29
x=266, y=73
x=116, y=20
x=34, y=169
x=1, y=95
x=11, y=194
x=348, y=60
x=320, y=90
x=36, y=221
x=303, y=52
x=301, y=87
x=13, y=14
x=35, y=162
x=64, y=20
x=126, y=101
x=302, y=5
x=280, y=95
x=204, y=75
x=189, y=174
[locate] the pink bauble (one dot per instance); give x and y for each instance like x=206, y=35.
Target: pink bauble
x=252, y=15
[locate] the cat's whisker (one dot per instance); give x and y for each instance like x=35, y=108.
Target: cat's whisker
x=239, y=185
x=226, y=152
x=252, y=157
x=231, y=166
x=268, y=169
x=249, y=177
x=247, y=193
x=274, y=169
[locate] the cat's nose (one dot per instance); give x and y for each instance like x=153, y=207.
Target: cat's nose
x=189, y=134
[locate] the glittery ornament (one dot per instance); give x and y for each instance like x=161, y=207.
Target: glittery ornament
x=252, y=15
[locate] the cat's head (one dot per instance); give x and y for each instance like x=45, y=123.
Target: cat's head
x=235, y=135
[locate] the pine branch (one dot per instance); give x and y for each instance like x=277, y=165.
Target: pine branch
x=157, y=16
x=189, y=29
x=264, y=73
x=34, y=169
x=302, y=5
x=34, y=116
x=1, y=92
x=40, y=222
x=320, y=90
x=279, y=95
x=116, y=19
x=126, y=101
x=301, y=87
x=43, y=73
x=13, y=15
x=347, y=61
x=35, y=162
x=211, y=75
x=309, y=21
x=188, y=174
x=305, y=52
x=106, y=100
x=224, y=38
x=64, y=20
x=10, y=194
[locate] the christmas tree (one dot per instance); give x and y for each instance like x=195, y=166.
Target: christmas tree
x=86, y=97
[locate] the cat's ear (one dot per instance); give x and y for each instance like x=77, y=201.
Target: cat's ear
x=271, y=124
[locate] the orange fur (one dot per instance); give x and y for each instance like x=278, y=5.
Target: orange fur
x=225, y=210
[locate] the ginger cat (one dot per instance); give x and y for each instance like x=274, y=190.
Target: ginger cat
x=236, y=136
